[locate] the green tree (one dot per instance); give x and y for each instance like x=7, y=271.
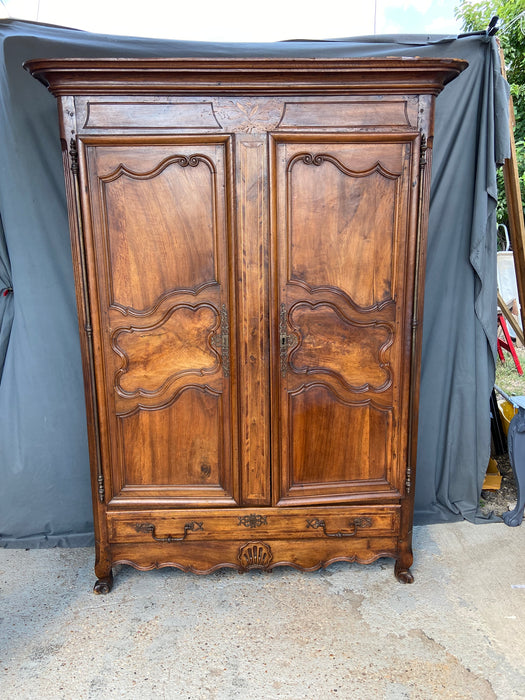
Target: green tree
x=476, y=17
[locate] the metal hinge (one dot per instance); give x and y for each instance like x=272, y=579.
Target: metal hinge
x=423, y=152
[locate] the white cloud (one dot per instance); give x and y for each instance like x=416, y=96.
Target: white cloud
x=238, y=20
x=417, y=17
x=421, y=6
x=206, y=20
x=442, y=25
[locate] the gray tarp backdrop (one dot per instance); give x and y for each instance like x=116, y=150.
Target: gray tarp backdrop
x=45, y=494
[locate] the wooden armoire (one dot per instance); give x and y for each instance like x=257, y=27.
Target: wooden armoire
x=249, y=243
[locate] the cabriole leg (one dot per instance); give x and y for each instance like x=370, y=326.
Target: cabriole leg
x=402, y=572
x=403, y=563
x=405, y=558
x=104, y=585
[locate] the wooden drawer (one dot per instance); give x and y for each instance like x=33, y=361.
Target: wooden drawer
x=240, y=524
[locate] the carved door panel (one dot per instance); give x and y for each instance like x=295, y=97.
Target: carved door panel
x=157, y=242
x=344, y=230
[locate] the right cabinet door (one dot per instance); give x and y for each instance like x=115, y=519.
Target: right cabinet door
x=344, y=251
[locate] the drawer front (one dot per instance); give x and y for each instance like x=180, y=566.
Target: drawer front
x=239, y=524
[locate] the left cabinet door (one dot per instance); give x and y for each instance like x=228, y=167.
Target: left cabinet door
x=156, y=215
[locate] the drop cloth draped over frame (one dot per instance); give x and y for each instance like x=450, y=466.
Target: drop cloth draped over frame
x=45, y=496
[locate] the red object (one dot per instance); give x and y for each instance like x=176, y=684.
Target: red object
x=507, y=344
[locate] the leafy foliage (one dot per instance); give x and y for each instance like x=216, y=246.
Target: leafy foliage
x=476, y=17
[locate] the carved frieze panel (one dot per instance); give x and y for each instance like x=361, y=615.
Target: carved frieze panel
x=249, y=114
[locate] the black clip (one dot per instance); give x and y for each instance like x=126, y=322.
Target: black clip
x=489, y=31
x=492, y=28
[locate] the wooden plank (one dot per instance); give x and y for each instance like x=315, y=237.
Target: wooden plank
x=511, y=319
x=515, y=208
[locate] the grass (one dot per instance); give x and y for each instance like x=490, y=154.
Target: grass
x=507, y=377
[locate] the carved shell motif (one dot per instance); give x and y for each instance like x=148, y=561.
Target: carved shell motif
x=255, y=555
x=248, y=115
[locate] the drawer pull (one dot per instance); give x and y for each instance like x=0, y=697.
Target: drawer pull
x=354, y=524
x=188, y=527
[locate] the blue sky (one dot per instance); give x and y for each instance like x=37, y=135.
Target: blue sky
x=241, y=20
x=426, y=16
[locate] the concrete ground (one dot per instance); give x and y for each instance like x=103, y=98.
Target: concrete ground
x=349, y=631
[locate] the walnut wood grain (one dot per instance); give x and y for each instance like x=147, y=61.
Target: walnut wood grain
x=249, y=242
x=194, y=76
x=159, y=257
x=257, y=522
x=252, y=325
x=305, y=555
